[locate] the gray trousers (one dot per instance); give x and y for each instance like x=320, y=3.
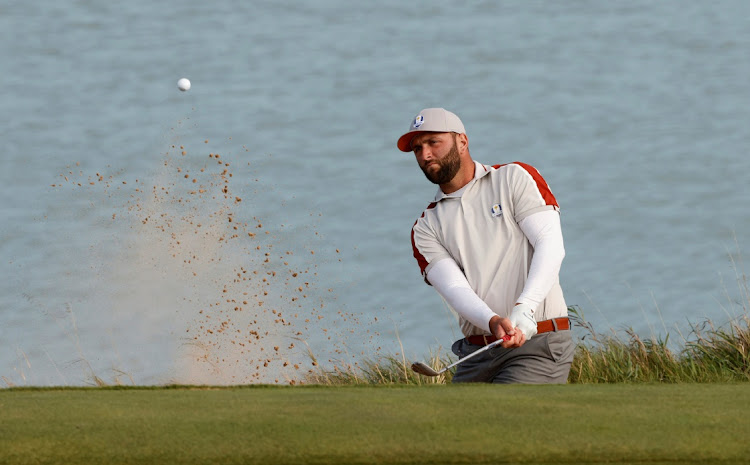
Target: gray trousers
x=543, y=359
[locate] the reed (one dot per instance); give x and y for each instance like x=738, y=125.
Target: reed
x=708, y=354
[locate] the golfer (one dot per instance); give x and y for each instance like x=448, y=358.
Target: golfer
x=490, y=243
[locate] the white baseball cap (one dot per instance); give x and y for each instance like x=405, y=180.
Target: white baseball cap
x=430, y=120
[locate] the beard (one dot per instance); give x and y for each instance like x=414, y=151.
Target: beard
x=448, y=167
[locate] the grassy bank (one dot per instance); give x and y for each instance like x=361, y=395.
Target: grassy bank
x=646, y=423
x=708, y=355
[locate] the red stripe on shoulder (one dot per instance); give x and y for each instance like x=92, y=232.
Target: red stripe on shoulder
x=420, y=258
x=541, y=184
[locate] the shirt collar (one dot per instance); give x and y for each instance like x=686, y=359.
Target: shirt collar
x=480, y=170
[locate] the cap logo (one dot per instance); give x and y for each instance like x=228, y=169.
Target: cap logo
x=418, y=121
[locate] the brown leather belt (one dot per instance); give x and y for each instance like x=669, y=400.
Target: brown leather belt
x=555, y=324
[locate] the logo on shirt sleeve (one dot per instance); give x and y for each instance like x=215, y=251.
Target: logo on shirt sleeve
x=497, y=210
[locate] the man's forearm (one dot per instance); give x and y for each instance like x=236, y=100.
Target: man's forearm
x=448, y=279
x=544, y=232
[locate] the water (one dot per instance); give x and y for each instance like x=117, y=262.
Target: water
x=635, y=112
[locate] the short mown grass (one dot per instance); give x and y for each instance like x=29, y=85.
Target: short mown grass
x=394, y=424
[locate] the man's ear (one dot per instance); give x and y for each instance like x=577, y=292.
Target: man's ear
x=462, y=140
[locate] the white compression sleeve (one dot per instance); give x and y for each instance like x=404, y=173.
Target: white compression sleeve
x=448, y=279
x=545, y=235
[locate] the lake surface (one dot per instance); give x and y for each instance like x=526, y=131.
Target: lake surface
x=116, y=265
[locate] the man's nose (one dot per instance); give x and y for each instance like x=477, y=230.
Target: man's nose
x=425, y=153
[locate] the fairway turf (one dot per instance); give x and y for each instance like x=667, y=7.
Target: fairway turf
x=466, y=424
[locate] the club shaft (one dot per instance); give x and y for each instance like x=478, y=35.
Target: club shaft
x=487, y=347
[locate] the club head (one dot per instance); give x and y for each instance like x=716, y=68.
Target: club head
x=424, y=369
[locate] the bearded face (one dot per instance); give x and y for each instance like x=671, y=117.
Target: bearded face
x=443, y=170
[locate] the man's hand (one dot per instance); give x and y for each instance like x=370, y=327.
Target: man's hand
x=522, y=317
x=499, y=327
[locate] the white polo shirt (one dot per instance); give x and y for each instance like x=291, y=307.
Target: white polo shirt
x=477, y=227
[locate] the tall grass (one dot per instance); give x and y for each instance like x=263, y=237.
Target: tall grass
x=709, y=354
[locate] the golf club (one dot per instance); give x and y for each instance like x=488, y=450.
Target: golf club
x=424, y=369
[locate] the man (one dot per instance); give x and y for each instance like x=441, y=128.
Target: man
x=491, y=245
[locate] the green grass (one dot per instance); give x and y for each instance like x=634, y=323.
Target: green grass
x=466, y=424
x=713, y=354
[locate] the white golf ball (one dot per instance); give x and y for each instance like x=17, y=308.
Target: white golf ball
x=183, y=84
